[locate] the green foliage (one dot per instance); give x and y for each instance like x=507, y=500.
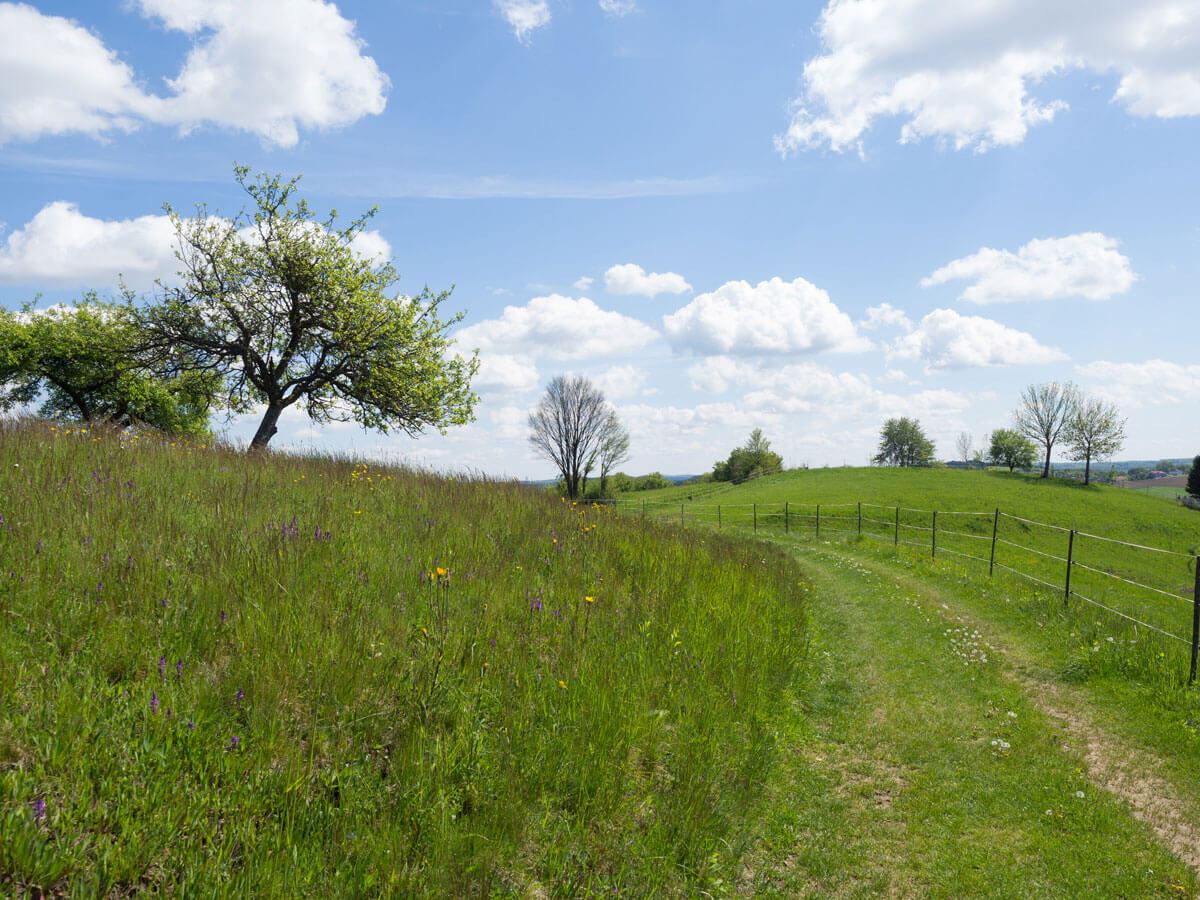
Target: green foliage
x=903, y=443
x=751, y=460
x=1193, y=479
x=1010, y=448
x=281, y=305
x=287, y=677
x=1094, y=431
x=88, y=363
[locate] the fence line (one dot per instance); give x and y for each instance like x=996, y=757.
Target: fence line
x=771, y=513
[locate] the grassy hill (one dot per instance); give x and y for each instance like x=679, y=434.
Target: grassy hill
x=223, y=675
x=1036, y=550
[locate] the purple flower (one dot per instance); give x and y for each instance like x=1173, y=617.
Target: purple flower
x=240, y=695
x=38, y=549
x=179, y=668
x=169, y=713
x=162, y=664
x=191, y=726
x=39, y=809
x=234, y=741
x=106, y=559
x=154, y=702
x=222, y=615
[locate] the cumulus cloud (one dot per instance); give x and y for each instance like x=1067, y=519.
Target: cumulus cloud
x=772, y=317
x=945, y=340
x=885, y=316
x=560, y=328
x=621, y=381
x=1079, y=265
x=502, y=373
x=270, y=68
x=1155, y=382
x=633, y=279
x=618, y=8
x=56, y=77
x=967, y=72
x=524, y=16
x=62, y=246
x=584, y=283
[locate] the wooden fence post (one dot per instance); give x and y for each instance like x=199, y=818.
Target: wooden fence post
x=1195, y=620
x=786, y=528
x=1070, y=557
x=860, y=518
x=681, y=514
x=718, y=515
x=933, y=546
x=818, y=521
x=995, y=530
x=755, y=505
x=643, y=509
x=896, y=542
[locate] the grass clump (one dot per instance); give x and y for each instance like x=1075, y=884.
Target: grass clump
x=309, y=676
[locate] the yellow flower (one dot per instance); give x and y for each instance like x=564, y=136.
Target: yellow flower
x=589, y=599
x=441, y=572
x=562, y=684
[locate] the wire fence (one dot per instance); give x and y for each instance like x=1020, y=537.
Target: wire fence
x=1148, y=587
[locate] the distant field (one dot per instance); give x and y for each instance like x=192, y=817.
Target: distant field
x=1175, y=482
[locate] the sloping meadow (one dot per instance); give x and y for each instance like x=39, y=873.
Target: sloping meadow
x=298, y=676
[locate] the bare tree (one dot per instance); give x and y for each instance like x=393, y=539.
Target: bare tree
x=964, y=446
x=1095, y=431
x=568, y=427
x=1043, y=414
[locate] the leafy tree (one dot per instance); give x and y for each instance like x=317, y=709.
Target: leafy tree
x=752, y=459
x=1095, y=430
x=1011, y=448
x=1193, y=479
x=1043, y=414
x=87, y=362
x=570, y=426
x=284, y=309
x=903, y=443
x=613, y=449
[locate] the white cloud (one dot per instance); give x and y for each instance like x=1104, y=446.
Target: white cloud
x=618, y=8
x=885, y=316
x=270, y=68
x=560, y=328
x=633, y=279
x=62, y=246
x=56, y=77
x=773, y=316
x=621, y=381
x=523, y=16
x=584, y=283
x=1079, y=265
x=1155, y=382
x=966, y=72
x=946, y=340
x=502, y=373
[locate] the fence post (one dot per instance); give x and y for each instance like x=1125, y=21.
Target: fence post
x=995, y=529
x=718, y=515
x=681, y=514
x=818, y=521
x=933, y=546
x=896, y=542
x=860, y=518
x=1195, y=620
x=1070, y=557
x=755, y=518
x=786, y=527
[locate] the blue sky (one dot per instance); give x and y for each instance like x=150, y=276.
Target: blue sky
x=805, y=217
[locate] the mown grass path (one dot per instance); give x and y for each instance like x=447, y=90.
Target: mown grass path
x=927, y=767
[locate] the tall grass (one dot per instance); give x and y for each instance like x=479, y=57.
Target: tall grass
x=291, y=676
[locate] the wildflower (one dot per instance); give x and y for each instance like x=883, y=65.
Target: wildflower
x=153, y=702
x=562, y=684
x=441, y=573
x=589, y=599
x=191, y=726
x=179, y=668
x=240, y=695
x=39, y=809
x=234, y=741
x=1079, y=795
x=162, y=664
x=222, y=615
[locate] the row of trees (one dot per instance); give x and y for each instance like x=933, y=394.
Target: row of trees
x=272, y=308
x=1047, y=414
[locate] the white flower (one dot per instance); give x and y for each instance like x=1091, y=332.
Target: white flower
x=1079, y=795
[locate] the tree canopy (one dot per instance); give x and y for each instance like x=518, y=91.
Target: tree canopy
x=283, y=309
x=1095, y=430
x=1008, y=447
x=752, y=459
x=1043, y=414
x=88, y=363
x=1193, y=479
x=902, y=442
x=571, y=427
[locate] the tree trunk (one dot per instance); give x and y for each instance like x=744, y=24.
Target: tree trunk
x=1087, y=470
x=266, y=428
x=1046, y=468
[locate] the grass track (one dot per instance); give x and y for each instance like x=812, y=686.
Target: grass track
x=910, y=790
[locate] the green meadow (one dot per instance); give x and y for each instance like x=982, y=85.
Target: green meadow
x=282, y=676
